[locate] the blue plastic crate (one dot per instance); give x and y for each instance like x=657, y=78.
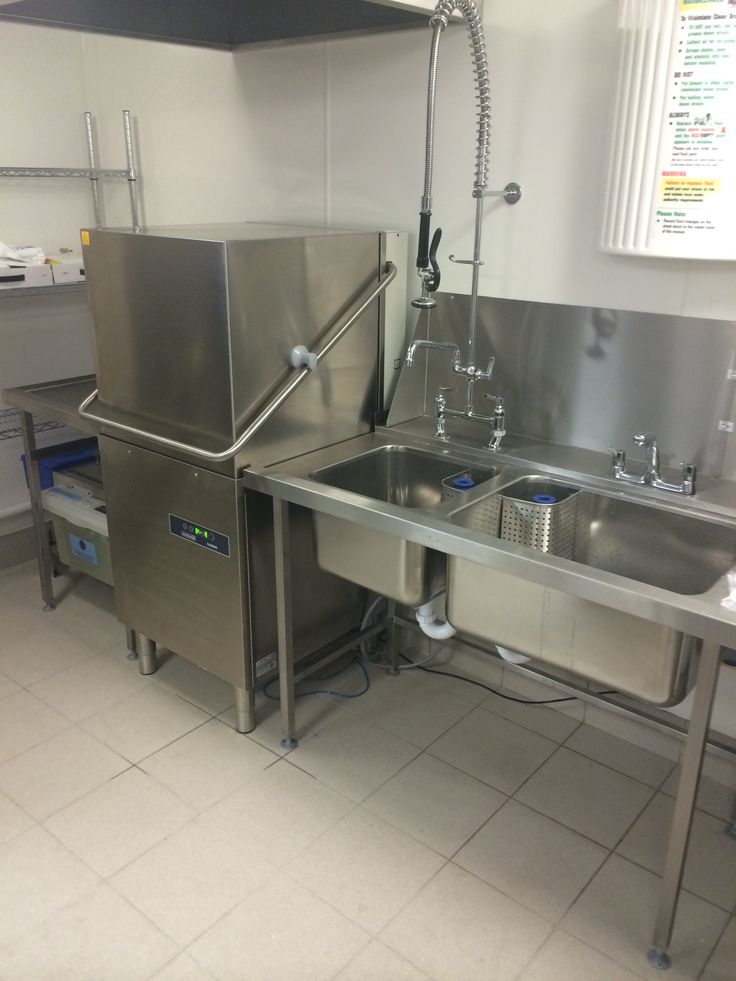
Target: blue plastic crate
x=48, y=464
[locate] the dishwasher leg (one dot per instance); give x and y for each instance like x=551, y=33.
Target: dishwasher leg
x=43, y=550
x=147, y=654
x=131, y=641
x=691, y=765
x=282, y=555
x=245, y=709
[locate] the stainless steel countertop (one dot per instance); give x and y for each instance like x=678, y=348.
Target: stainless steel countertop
x=55, y=400
x=700, y=615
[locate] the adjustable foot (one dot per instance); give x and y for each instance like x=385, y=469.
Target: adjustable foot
x=730, y=829
x=659, y=959
x=245, y=709
x=290, y=743
x=148, y=662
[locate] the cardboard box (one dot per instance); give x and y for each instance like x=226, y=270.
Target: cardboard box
x=18, y=277
x=67, y=268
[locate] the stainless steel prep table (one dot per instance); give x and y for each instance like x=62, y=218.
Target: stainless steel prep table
x=57, y=401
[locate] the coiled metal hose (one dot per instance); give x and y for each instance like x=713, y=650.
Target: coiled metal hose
x=439, y=21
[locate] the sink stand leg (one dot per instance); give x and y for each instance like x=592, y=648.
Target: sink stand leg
x=132, y=644
x=691, y=765
x=282, y=555
x=731, y=826
x=392, y=650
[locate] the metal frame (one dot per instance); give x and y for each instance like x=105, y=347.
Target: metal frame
x=692, y=759
x=93, y=173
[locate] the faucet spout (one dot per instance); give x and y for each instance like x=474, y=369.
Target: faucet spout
x=435, y=345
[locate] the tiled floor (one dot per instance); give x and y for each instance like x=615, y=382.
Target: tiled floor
x=422, y=831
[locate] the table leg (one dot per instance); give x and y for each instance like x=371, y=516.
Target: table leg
x=147, y=654
x=43, y=549
x=692, y=762
x=282, y=555
x=245, y=709
x=392, y=648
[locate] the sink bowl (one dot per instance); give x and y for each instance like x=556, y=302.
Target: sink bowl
x=669, y=550
x=408, y=573
x=400, y=475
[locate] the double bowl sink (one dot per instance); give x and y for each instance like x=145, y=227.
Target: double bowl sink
x=647, y=544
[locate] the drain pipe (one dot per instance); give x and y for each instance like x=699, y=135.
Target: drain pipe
x=430, y=624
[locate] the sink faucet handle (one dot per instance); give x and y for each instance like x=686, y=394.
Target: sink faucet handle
x=618, y=459
x=689, y=475
x=645, y=439
x=446, y=388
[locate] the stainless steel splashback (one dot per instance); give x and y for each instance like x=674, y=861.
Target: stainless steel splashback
x=193, y=328
x=588, y=377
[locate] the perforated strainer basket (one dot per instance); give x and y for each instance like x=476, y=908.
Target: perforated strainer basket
x=540, y=514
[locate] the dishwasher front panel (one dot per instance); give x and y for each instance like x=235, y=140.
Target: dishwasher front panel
x=177, y=536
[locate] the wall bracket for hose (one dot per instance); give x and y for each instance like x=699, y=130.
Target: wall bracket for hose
x=511, y=193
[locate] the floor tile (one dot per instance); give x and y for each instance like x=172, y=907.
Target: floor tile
x=313, y=713
x=26, y=721
x=182, y=968
x=376, y=962
x=409, y=708
x=207, y=763
x=585, y=796
x=435, y=803
x=710, y=868
x=196, y=685
x=41, y=654
x=365, y=868
x=97, y=628
x=119, y=821
x=615, y=914
x=353, y=757
x=192, y=878
x=7, y=686
x=13, y=820
x=534, y=860
x=266, y=806
x=88, y=688
x=58, y=771
x=99, y=936
x=713, y=797
x=721, y=965
x=538, y=718
x=563, y=958
x=461, y=928
x=39, y=877
x=282, y=931
x=620, y=755
x=494, y=750
x=144, y=723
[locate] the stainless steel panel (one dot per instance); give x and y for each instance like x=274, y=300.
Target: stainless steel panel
x=632, y=655
x=588, y=377
x=193, y=329
x=179, y=594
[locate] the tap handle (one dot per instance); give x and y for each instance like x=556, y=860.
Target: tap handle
x=689, y=475
x=498, y=399
x=445, y=388
x=618, y=458
x=645, y=439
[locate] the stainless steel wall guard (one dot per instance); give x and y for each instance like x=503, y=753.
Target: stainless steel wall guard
x=93, y=174
x=284, y=391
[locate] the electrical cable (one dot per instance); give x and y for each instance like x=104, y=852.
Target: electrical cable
x=493, y=691
x=326, y=691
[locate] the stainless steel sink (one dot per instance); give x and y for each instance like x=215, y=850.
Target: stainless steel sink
x=662, y=548
x=399, y=475
x=672, y=551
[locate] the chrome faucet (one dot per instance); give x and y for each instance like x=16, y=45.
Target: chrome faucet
x=440, y=410
x=652, y=476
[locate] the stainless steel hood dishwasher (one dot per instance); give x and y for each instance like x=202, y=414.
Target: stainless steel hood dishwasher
x=206, y=345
